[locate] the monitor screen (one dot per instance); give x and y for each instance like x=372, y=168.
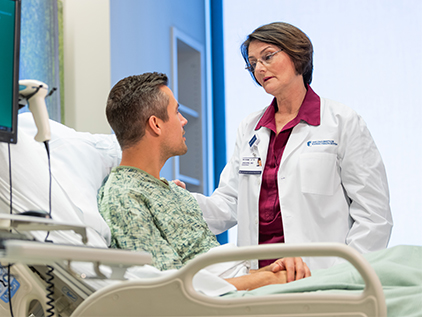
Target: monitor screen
x=9, y=66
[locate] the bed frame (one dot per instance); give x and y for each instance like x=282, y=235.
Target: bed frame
x=174, y=295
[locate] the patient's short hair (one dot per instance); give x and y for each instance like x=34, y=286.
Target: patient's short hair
x=132, y=101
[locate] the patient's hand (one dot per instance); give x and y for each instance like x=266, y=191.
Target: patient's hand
x=295, y=267
x=258, y=279
x=179, y=183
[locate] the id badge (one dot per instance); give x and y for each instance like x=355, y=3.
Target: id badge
x=251, y=165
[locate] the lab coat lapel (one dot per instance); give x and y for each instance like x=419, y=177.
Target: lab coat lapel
x=263, y=135
x=296, y=139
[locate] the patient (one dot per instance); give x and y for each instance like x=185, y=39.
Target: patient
x=146, y=212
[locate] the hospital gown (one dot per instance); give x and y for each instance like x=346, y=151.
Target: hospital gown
x=153, y=215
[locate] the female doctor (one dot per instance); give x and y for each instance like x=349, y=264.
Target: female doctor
x=305, y=168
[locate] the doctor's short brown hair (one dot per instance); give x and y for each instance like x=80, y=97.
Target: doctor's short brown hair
x=291, y=40
x=132, y=101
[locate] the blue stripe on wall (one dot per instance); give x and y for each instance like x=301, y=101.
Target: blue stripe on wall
x=217, y=55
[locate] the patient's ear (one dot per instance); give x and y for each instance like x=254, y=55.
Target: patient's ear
x=154, y=124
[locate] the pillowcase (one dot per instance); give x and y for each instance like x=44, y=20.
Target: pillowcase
x=79, y=163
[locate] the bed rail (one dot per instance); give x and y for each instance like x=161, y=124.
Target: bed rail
x=175, y=296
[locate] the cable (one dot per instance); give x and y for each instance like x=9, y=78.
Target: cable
x=51, y=92
x=36, y=90
x=10, y=180
x=9, y=276
x=9, y=289
x=50, y=291
x=47, y=148
x=50, y=269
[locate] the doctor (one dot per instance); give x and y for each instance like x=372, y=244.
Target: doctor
x=305, y=168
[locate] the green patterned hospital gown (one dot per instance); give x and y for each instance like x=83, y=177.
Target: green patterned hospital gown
x=153, y=215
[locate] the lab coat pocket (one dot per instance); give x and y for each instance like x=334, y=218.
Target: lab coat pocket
x=317, y=173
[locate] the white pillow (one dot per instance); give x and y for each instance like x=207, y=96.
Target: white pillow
x=79, y=163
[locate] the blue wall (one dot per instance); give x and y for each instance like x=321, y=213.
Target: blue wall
x=140, y=37
x=219, y=96
x=140, y=33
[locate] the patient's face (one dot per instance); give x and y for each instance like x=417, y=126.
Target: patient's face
x=174, y=141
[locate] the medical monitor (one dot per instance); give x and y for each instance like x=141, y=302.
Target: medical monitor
x=10, y=12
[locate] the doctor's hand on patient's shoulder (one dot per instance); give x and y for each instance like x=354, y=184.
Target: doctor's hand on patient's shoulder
x=179, y=183
x=295, y=267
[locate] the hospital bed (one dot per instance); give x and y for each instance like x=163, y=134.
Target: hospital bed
x=91, y=280
x=174, y=294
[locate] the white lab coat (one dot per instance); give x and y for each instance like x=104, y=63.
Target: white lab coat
x=331, y=181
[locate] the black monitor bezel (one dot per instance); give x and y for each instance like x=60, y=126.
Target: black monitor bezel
x=12, y=136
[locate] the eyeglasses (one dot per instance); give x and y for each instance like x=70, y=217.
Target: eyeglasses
x=265, y=60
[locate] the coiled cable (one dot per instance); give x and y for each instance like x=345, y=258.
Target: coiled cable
x=50, y=291
x=50, y=269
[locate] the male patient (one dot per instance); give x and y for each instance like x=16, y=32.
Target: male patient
x=146, y=212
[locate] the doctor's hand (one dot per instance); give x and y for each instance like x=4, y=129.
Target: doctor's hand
x=295, y=267
x=179, y=183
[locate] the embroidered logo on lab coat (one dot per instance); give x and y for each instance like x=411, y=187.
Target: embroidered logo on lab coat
x=321, y=142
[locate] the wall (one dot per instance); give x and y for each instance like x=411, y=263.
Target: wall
x=86, y=36
x=141, y=37
x=140, y=33
x=107, y=40
x=368, y=56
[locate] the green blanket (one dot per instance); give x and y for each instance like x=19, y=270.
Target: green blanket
x=398, y=268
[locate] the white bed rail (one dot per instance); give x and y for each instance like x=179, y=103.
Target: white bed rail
x=34, y=252
x=175, y=296
x=25, y=224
